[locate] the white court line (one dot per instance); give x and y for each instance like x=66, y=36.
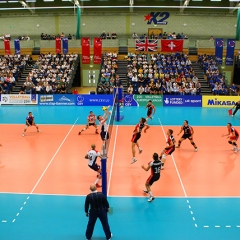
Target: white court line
x=179, y=177
x=53, y=156
x=110, y=174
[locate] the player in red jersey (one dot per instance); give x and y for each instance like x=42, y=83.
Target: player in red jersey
x=136, y=136
x=233, y=136
x=187, y=133
x=169, y=149
x=151, y=110
x=92, y=156
x=91, y=121
x=155, y=166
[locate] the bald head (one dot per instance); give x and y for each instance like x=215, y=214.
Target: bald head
x=93, y=187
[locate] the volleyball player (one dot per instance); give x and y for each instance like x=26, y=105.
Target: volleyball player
x=187, y=133
x=233, y=137
x=155, y=166
x=91, y=121
x=136, y=136
x=30, y=122
x=169, y=149
x=92, y=156
x=103, y=126
x=151, y=110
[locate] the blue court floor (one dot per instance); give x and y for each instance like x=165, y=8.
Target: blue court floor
x=26, y=216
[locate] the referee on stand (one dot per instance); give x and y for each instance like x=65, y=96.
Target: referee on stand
x=99, y=207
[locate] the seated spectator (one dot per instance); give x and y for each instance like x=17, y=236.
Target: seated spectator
x=141, y=90
x=108, y=35
x=69, y=36
x=114, y=35
x=130, y=89
x=233, y=89
x=103, y=35
x=134, y=36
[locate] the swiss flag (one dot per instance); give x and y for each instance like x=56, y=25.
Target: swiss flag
x=172, y=45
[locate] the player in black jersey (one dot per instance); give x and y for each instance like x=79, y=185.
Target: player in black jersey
x=155, y=166
x=187, y=133
x=151, y=110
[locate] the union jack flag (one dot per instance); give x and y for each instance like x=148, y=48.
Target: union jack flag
x=146, y=45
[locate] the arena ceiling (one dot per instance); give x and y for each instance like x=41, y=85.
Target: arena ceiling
x=37, y=6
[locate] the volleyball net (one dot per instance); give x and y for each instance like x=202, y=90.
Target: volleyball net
x=114, y=116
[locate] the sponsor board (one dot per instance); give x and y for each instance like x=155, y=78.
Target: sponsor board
x=182, y=100
x=142, y=100
x=19, y=99
x=57, y=100
x=219, y=101
x=94, y=100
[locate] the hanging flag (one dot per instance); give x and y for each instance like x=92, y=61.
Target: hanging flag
x=172, y=45
x=58, y=45
x=7, y=46
x=230, y=52
x=78, y=23
x=17, y=46
x=219, y=50
x=65, y=45
x=86, y=50
x=146, y=45
x=97, y=58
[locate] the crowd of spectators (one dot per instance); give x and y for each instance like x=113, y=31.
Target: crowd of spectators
x=164, y=35
x=108, y=35
x=50, y=74
x=161, y=74
x=11, y=68
x=108, y=74
x=45, y=36
x=215, y=78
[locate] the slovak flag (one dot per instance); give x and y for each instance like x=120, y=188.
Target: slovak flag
x=146, y=45
x=172, y=45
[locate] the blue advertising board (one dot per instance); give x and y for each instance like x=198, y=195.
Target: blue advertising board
x=94, y=100
x=57, y=100
x=182, y=100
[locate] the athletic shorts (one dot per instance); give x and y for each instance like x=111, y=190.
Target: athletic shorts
x=169, y=151
x=94, y=167
x=104, y=135
x=152, y=179
x=185, y=136
x=31, y=124
x=149, y=113
x=136, y=137
x=234, y=138
x=91, y=124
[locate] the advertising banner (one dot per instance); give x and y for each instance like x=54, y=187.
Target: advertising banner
x=97, y=58
x=17, y=99
x=142, y=100
x=17, y=46
x=58, y=45
x=7, y=46
x=65, y=45
x=230, y=52
x=219, y=101
x=85, y=50
x=219, y=50
x=94, y=100
x=182, y=100
x=57, y=100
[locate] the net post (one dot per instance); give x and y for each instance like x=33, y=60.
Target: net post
x=104, y=169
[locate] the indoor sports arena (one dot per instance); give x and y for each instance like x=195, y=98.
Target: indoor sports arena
x=119, y=119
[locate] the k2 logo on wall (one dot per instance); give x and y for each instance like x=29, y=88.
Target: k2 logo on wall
x=184, y=101
x=157, y=18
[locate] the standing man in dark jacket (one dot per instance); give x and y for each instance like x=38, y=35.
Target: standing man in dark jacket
x=237, y=106
x=99, y=207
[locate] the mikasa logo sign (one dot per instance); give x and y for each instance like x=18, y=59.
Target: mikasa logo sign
x=219, y=102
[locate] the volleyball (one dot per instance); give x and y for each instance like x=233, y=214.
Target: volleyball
x=104, y=108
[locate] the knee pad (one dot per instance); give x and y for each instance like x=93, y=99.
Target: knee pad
x=230, y=142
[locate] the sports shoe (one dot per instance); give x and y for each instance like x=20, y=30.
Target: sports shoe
x=23, y=134
x=151, y=199
x=145, y=191
x=140, y=151
x=196, y=149
x=134, y=160
x=98, y=186
x=111, y=236
x=79, y=133
x=233, y=149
